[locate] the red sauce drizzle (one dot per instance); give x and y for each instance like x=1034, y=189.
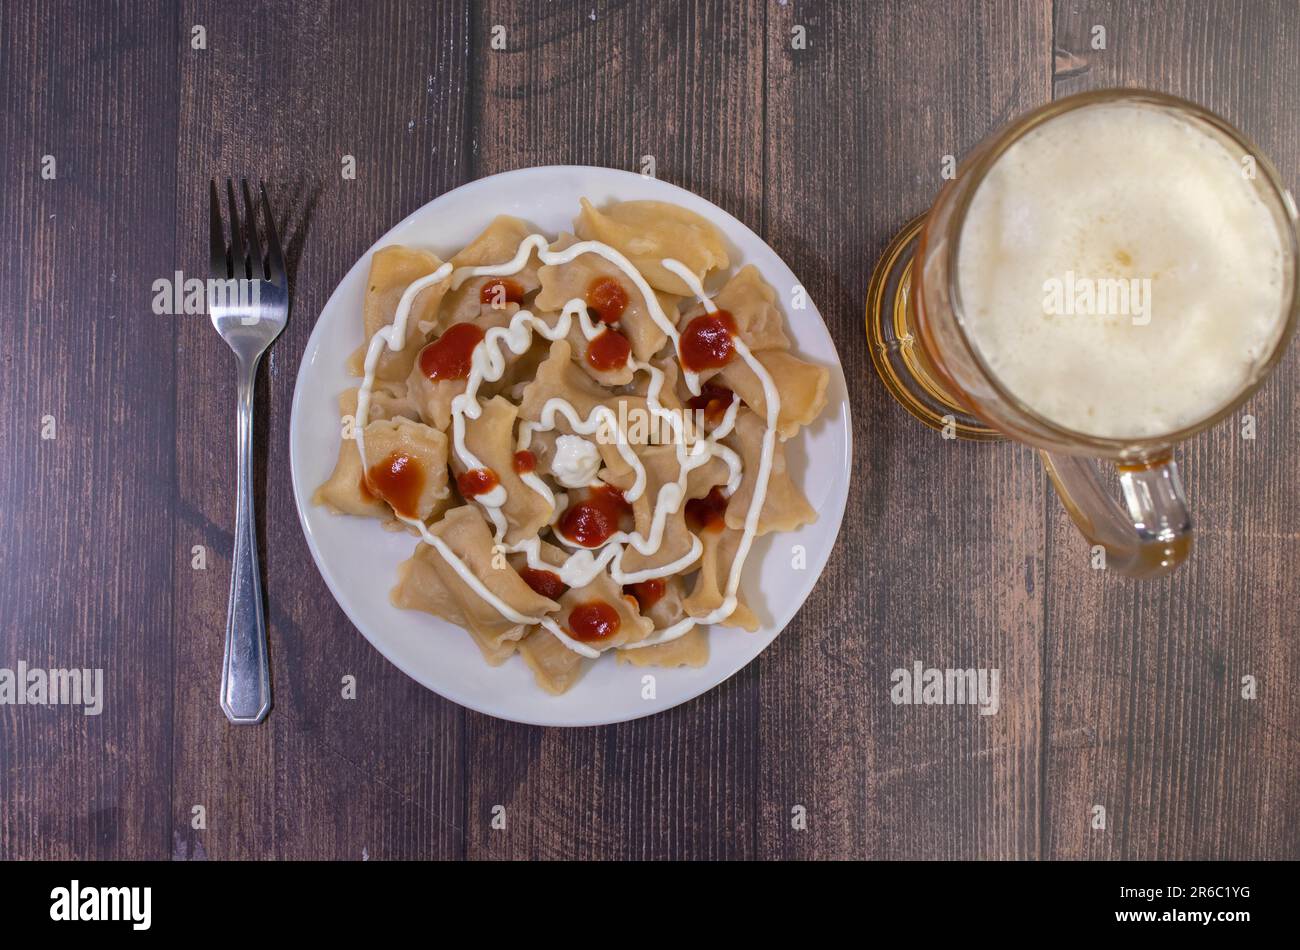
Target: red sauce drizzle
x=707, y=342
x=647, y=593
x=707, y=513
x=546, y=583
x=451, y=355
x=609, y=350
x=477, y=481
x=607, y=299
x=594, y=620
x=502, y=289
x=525, y=462
x=592, y=522
x=398, y=480
x=714, y=400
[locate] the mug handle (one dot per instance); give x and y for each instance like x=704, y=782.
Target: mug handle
x=1150, y=534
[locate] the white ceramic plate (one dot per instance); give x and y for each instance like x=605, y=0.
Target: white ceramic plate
x=359, y=559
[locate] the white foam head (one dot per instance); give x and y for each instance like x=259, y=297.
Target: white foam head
x=1119, y=272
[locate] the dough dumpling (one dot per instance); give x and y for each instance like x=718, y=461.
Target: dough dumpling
x=646, y=232
x=392, y=270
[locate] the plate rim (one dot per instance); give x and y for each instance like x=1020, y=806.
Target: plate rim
x=301, y=498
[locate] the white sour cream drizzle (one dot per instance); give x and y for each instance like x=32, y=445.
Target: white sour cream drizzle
x=576, y=461
x=488, y=363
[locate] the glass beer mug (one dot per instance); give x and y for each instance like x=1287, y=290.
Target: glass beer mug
x=1142, y=192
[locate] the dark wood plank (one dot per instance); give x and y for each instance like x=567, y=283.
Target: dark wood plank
x=604, y=84
x=941, y=556
x=86, y=516
x=285, y=95
x=1143, y=685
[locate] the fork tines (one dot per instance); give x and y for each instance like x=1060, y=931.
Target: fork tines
x=243, y=257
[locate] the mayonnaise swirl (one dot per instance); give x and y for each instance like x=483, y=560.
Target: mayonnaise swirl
x=489, y=363
x=576, y=461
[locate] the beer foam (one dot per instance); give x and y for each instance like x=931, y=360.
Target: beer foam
x=1133, y=193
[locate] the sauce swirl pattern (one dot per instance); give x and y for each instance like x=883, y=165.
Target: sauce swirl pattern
x=595, y=522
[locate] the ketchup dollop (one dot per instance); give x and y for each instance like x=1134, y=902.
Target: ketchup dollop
x=609, y=350
x=594, y=620
x=525, y=462
x=708, y=341
x=398, y=480
x=707, y=513
x=546, y=583
x=607, y=299
x=501, y=291
x=451, y=355
x=477, y=481
x=593, y=521
x=647, y=593
x=714, y=400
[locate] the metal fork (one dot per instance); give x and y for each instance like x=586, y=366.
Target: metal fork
x=249, y=306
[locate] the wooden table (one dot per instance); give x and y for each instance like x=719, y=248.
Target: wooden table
x=1123, y=695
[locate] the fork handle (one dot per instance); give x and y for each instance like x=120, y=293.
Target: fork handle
x=246, y=668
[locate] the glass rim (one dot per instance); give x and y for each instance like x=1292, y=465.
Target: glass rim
x=986, y=156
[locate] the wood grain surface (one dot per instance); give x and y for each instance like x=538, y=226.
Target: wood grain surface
x=1114, y=694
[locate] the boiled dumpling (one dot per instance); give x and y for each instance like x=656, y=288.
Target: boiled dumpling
x=392, y=270
x=646, y=232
